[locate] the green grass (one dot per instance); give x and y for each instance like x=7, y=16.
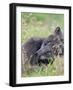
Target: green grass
x=56, y=69
x=39, y=25
x=42, y=25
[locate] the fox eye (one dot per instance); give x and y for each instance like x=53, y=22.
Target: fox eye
x=45, y=43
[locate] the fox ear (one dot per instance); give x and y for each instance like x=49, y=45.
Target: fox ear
x=34, y=59
x=57, y=30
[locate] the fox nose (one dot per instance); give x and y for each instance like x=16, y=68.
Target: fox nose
x=39, y=52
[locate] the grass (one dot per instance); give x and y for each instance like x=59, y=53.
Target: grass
x=42, y=25
x=56, y=69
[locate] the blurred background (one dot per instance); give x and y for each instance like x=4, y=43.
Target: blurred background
x=39, y=24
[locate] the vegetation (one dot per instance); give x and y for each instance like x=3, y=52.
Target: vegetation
x=42, y=25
